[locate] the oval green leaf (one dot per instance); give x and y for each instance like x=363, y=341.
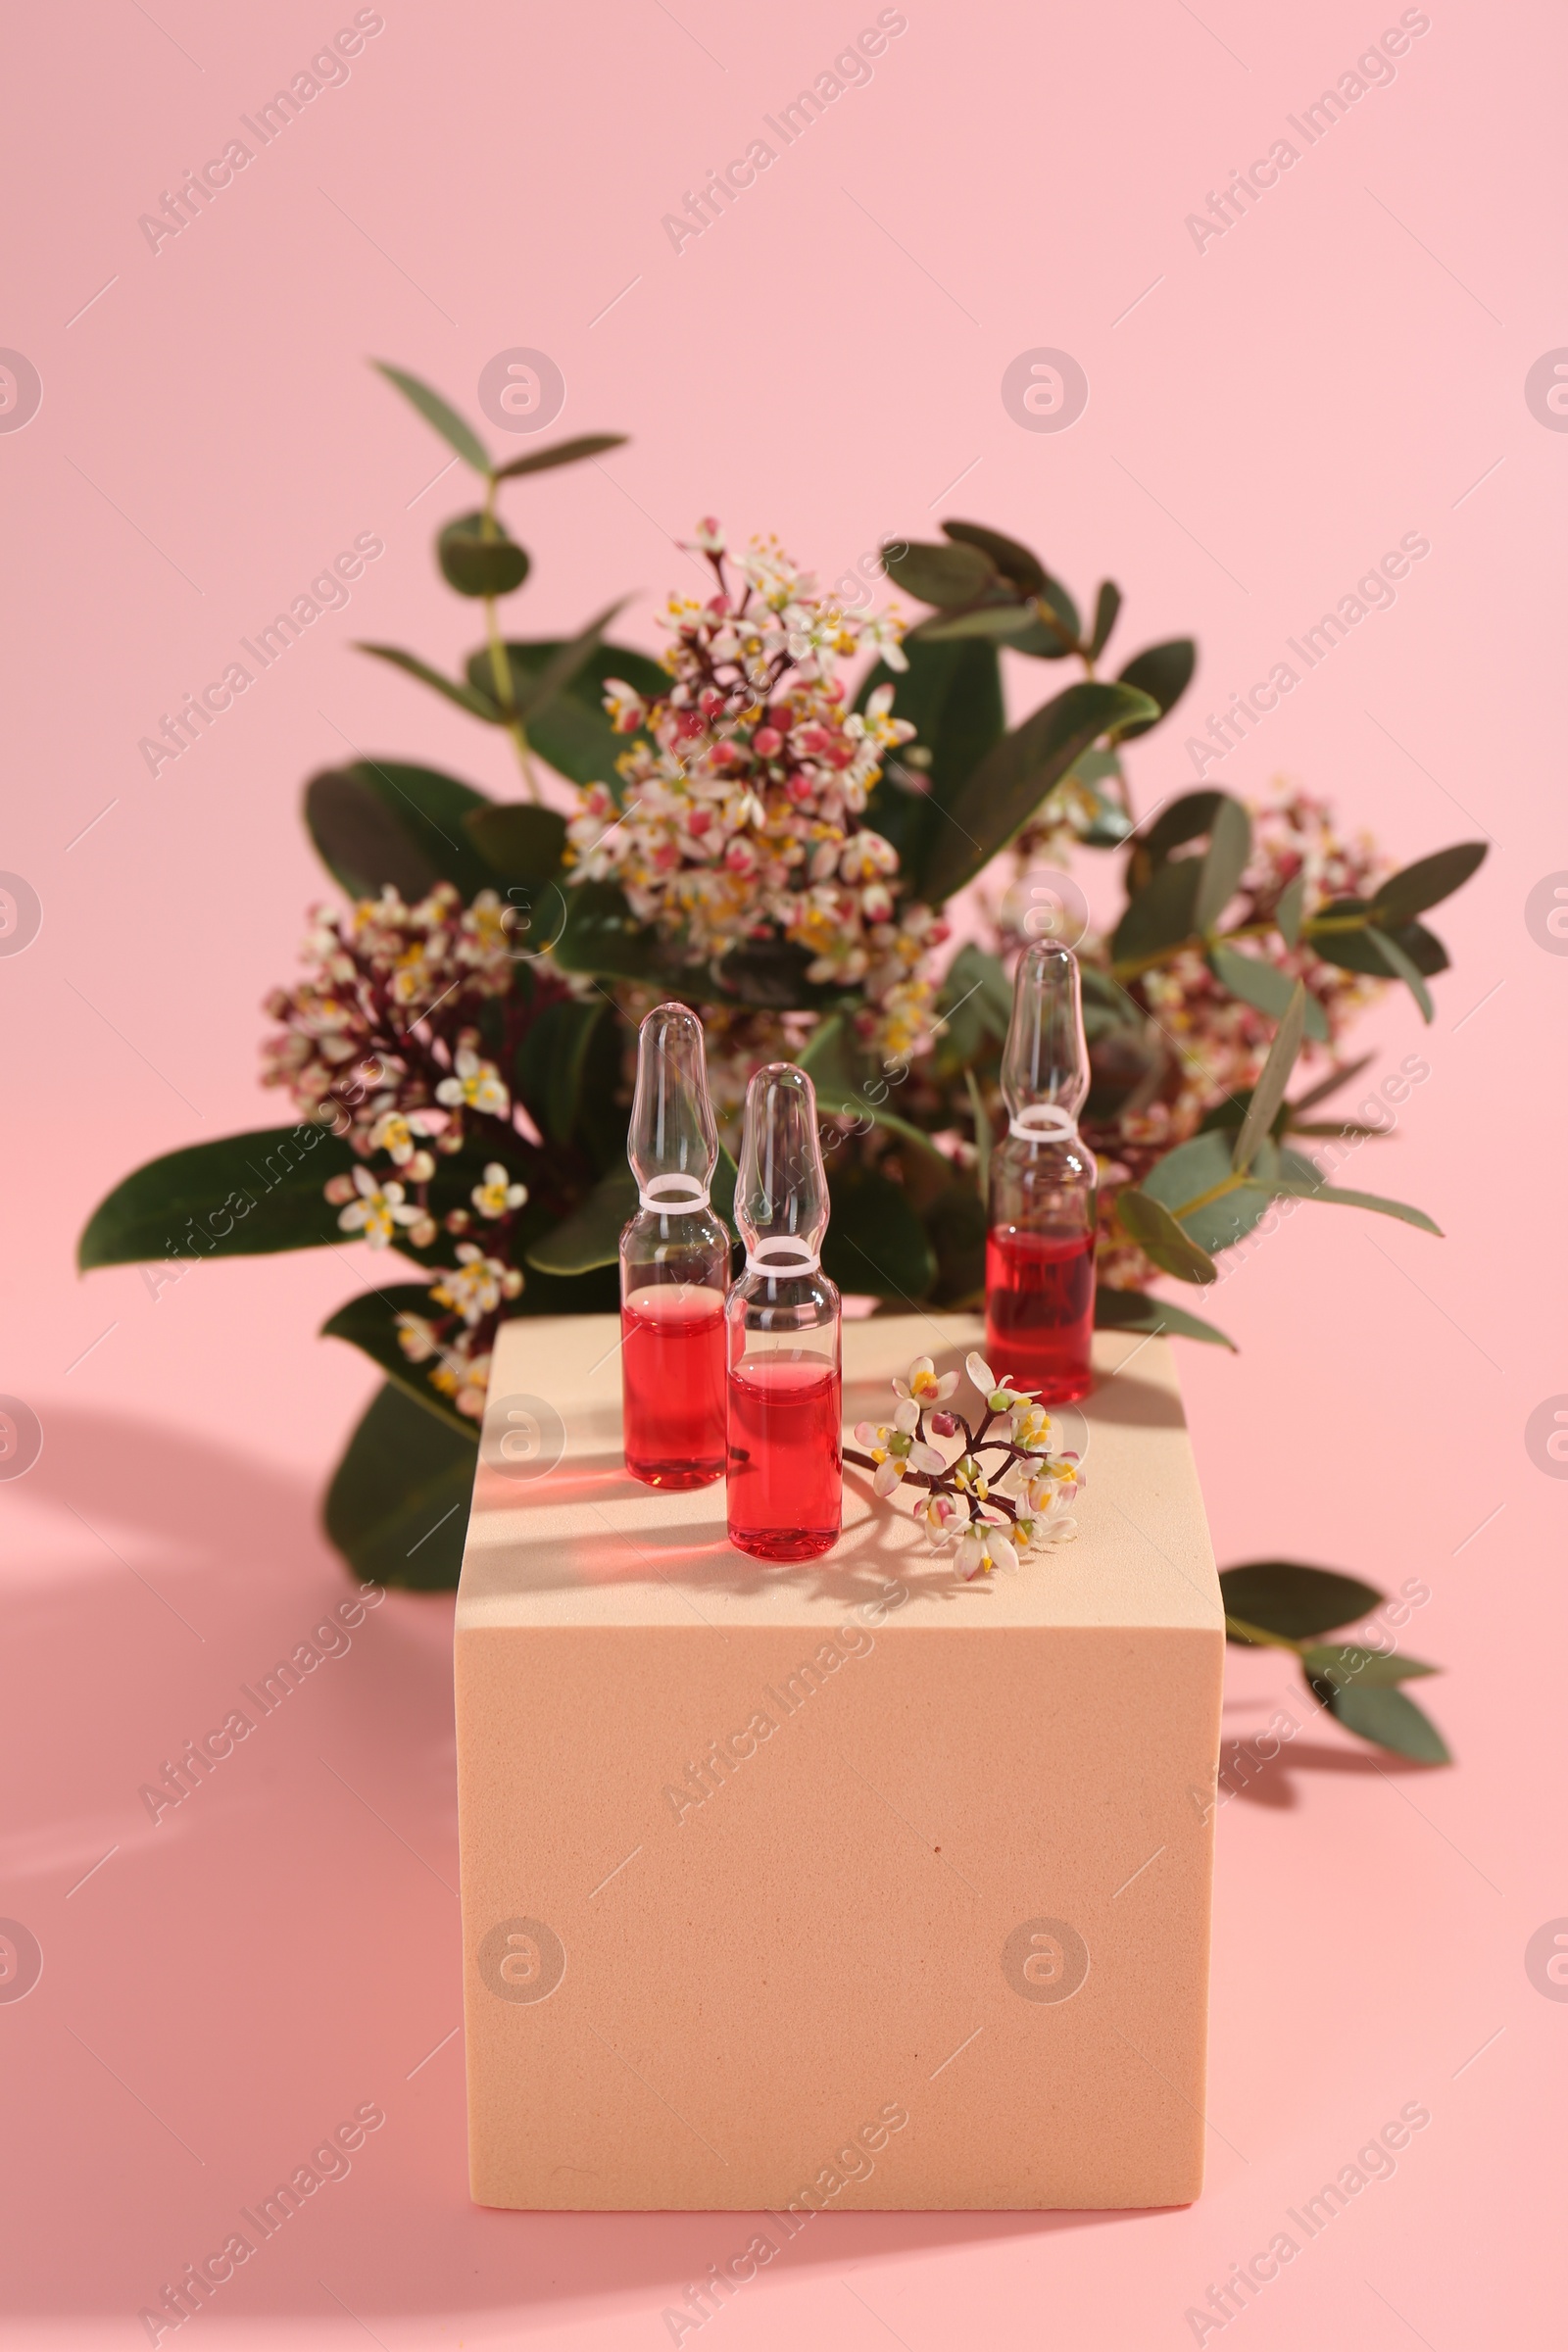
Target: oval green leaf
x=398, y=1505
x=1285, y=1596
x=1389, y=1719
x=377, y=821
x=243, y=1196
x=1415, y=888
x=477, y=561
x=949, y=575
x=998, y=798
x=1018, y=566
x=369, y=1323
x=1148, y=1222
x=560, y=453
x=1163, y=672
x=1347, y=1662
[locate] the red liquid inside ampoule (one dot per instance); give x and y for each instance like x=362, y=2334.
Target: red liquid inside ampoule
x=786, y=1479
x=1040, y=1310
x=673, y=1383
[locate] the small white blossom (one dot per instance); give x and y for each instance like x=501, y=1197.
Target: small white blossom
x=476, y=1084
x=380, y=1210
x=498, y=1193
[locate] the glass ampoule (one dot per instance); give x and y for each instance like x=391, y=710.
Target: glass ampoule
x=786, y=1395
x=674, y=1265
x=1040, y=1245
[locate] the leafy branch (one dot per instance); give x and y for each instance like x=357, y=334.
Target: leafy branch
x=479, y=558
x=1279, y=1605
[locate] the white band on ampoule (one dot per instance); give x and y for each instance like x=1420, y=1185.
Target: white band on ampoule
x=692, y=1196
x=1045, y=1123
x=768, y=1256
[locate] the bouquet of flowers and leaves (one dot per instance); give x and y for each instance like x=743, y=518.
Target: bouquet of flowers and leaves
x=769, y=823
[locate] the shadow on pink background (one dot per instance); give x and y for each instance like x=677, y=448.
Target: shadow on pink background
x=1347, y=364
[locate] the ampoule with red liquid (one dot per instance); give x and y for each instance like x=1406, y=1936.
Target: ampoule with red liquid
x=1040, y=1246
x=786, y=1392
x=674, y=1265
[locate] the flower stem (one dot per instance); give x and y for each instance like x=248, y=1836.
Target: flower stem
x=500, y=667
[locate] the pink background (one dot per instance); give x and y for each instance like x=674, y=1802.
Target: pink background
x=1346, y=366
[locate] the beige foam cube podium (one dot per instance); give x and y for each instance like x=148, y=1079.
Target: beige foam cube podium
x=844, y=1884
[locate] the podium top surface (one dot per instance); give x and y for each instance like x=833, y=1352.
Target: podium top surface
x=559, y=1536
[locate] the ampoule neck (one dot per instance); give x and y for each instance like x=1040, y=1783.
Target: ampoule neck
x=1045, y=1063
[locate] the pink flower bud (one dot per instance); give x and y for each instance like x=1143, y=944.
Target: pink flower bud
x=943, y=1425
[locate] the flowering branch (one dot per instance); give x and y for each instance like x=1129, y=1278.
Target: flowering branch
x=990, y=1510
x=742, y=814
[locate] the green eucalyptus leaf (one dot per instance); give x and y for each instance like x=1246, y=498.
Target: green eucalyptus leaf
x=1290, y=910
x=241, y=1195
x=1003, y=623
x=1138, y=1311
x=949, y=575
x=1347, y=1662
x=1150, y=1223
x=1332, y=1084
x=477, y=561
x=1270, y=1091
x=1303, y=1190
x=1263, y=986
x=1163, y=672
x=435, y=411
x=377, y=821
x=1107, y=604
x=1162, y=916
x=875, y=1242
x=1186, y=819
x=1386, y=1718
x=1199, y=1166
x=1354, y=951
x=398, y=1505
x=1400, y=965
x=1230, y=845
x=369, y=1323
x=560, y=453
x=1415, y=888
x=1020, y=568
x=998, y=798
x=1045, y=637
x=1060, y=619
x=1285, y=1596
x=471, y=699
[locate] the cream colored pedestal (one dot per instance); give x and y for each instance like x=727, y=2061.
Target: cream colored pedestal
x=840, y=1884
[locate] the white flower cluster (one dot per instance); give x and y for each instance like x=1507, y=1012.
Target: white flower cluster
x=741, y=803
x=990, y=1518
